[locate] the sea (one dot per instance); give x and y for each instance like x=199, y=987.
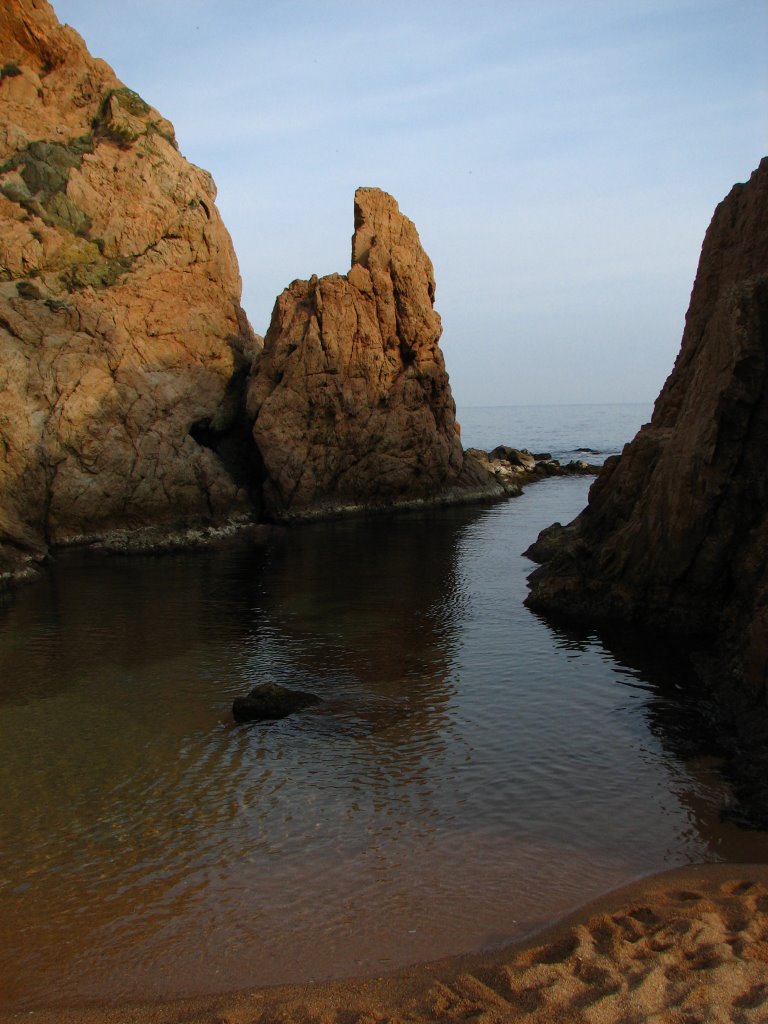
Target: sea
x=473, y=772
x=566, y=432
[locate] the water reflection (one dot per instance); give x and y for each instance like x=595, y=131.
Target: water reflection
x=379, y=647
x=471, y=771
x=658, y=674
x=130, y=797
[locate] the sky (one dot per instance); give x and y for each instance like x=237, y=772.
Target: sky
x=561, y=159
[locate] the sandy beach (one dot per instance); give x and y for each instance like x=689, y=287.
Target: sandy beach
x=689, y=946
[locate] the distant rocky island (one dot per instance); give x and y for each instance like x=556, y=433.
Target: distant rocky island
x=675, y=535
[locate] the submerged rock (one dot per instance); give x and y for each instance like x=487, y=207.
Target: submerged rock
x=123, y=346
x=270, y=701
x=350, y=399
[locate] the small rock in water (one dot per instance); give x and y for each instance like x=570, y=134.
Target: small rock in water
x=588, y=451
x=270, y=701
x=515, y=456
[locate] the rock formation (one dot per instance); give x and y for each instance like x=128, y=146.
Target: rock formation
x=513, y=467
x=675, y=534
x=123, y=347
x=350, y=399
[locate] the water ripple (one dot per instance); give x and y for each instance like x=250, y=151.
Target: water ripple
x=471, y=770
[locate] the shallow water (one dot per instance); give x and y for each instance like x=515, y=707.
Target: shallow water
x=472, y=772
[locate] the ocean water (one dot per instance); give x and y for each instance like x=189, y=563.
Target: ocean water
x=559, y=430
x=473, y=772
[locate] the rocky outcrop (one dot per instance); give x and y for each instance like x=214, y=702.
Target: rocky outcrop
x=123, y=347
x=350, y=399
x=513, y=467
x=676, y=531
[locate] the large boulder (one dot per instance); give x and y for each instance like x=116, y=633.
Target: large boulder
x=123, y=347
x=675, y=534
x=350, y=398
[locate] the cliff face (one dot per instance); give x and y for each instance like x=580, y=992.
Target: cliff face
x=123, y=347
x=350, y=399
x=675, y=534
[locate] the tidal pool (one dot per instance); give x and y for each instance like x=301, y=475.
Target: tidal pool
x=472, y=772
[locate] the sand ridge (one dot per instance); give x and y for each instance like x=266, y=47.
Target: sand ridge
x=686, y=947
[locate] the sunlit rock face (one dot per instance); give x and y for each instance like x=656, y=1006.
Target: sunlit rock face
x=350, y=399
x=676, y=531
x=123, y=347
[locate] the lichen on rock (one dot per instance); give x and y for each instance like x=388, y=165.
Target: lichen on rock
x=120, y=318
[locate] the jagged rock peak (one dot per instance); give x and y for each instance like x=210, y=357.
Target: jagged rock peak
x=350, y=399
x=381, y=228
x=122, y=339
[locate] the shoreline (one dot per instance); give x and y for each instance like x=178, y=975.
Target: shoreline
x=689, y=944
x=505, y=481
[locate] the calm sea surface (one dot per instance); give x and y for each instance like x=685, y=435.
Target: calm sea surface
x=559, y=430
x=472, y=773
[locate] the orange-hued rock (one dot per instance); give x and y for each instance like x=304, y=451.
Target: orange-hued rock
x=120, y=324
x=676, y=531
x=350, y=398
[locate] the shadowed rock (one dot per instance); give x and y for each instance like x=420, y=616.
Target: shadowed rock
x=675, y=534
x=676, y=528
x=270, y=701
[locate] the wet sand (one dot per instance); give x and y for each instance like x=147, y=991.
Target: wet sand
x=689, y=946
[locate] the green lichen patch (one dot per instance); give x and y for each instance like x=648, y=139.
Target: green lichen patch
x=27, y=290
x=100, y=273
x=63, y=213
x=9, y=71
x=131, y=102
x=45, y=166
x=124, y=117
x=36, y=178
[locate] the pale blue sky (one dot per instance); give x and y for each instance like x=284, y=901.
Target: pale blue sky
x=561, y=159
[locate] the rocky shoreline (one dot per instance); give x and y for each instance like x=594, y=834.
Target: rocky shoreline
x=510, y=468
x=514, y=467
x=140, y=411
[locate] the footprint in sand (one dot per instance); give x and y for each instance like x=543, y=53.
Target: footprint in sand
x=686, y=896
x=736, y=888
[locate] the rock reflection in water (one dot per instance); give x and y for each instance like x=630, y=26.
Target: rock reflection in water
x=471, y=771
x=657, y=672
x=379, y=646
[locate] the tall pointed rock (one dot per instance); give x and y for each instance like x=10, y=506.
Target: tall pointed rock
x=350, y=399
